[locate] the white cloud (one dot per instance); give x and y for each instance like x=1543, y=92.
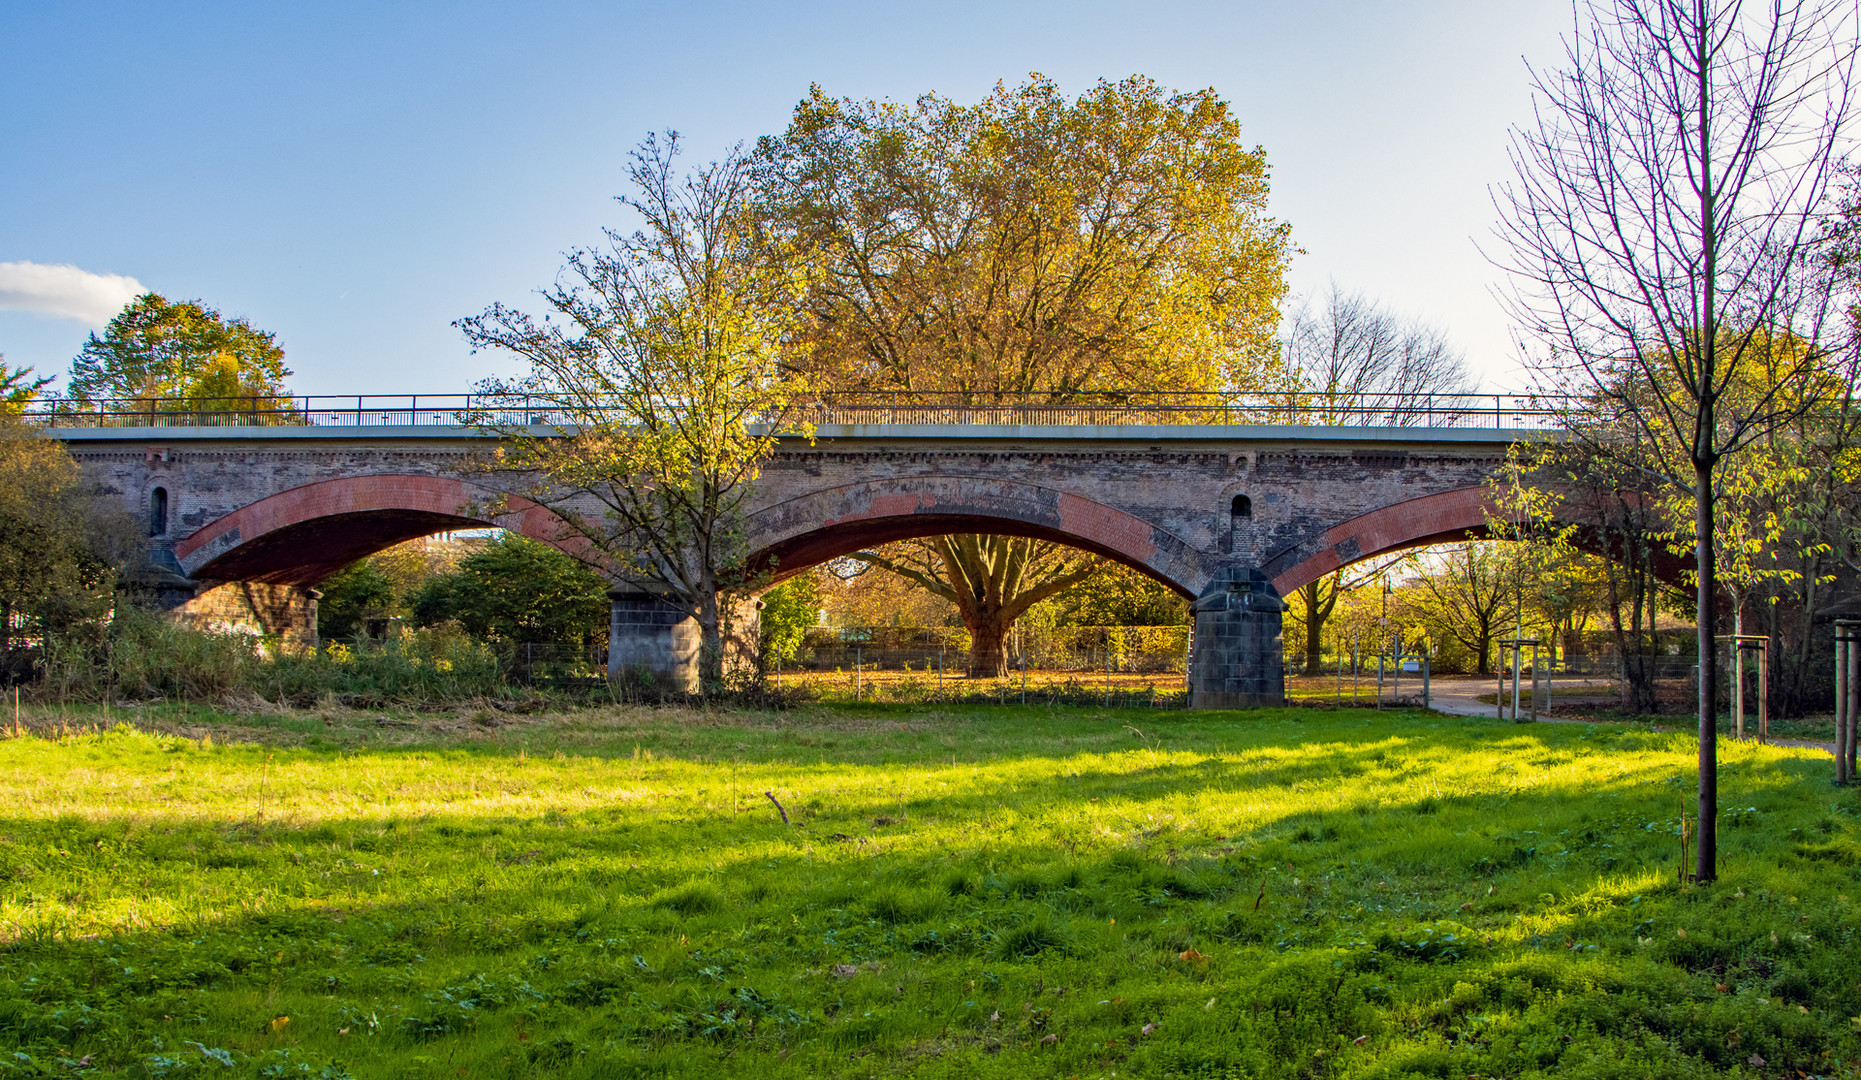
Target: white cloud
x=65, y=291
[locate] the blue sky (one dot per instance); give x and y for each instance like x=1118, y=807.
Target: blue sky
x=355, y=176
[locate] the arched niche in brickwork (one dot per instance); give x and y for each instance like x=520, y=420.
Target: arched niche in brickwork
x=811, y=529
x=1432, y=519
x=305, y=534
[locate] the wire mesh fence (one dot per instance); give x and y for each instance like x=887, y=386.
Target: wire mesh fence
x=1105, y=665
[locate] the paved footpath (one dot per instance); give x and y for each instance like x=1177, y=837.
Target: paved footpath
x=1460, y=697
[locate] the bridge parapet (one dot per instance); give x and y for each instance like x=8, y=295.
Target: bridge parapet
x=1101, y=409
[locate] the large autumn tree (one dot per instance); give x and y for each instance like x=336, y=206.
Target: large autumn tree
x=161, y=354
x=1031, y=247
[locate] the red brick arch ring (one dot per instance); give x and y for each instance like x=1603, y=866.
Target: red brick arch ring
x=305, y=534
x=814, y=528
x=1431, y=519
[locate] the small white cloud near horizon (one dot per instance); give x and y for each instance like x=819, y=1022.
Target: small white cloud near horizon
x=65, y=292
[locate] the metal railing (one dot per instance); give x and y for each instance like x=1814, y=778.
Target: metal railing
x=1104, y=408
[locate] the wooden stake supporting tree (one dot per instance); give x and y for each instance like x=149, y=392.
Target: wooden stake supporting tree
x=1518, y=647
x=1741, y=646
x=1847, y=696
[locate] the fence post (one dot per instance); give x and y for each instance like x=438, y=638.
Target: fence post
x=1379, y=681
x=1426, y=700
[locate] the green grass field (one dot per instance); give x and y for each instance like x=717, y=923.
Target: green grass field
x=962, y=892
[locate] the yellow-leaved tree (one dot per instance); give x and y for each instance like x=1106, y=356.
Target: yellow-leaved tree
x=1034, y=249
x=660, y=383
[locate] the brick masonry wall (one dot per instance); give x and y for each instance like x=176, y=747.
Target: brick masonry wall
x=287, y=510
x=246, y=607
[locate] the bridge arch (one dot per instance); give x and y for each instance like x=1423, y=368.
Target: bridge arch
x=809, y=529
x=304, y=534
x=1463, y=514
x=1431, y=519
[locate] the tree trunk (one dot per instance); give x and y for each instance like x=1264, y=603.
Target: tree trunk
x=1707, y=825
x=710, y=644
x=1315, y=617
x=988, y=643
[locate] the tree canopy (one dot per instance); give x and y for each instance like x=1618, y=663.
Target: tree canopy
x=663, y=361
x=184, y=354
x=516, y=590
x=17, y=387
x=60, y=547
x=1029, y=243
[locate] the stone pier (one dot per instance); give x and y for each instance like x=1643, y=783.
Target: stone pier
x=1237, y=661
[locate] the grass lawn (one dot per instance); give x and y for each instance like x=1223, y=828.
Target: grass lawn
x=963, y=892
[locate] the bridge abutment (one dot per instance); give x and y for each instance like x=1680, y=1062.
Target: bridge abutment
x=287, y=613
x=1237, y=662
x=655, y=645
x=651, y=643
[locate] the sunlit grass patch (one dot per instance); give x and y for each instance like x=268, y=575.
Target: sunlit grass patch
x=961, y=891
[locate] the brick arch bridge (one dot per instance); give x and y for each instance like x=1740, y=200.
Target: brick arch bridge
x=1232, y=517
